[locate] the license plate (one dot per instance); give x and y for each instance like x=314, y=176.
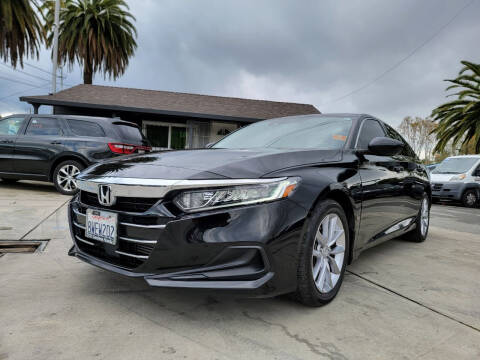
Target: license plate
x=101, y=226
x=140, y=151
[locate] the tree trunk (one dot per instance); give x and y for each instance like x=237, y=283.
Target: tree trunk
x=87, y=74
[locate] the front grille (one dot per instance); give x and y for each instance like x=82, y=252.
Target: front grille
x=137, y=236
x=128, y=204
x=437, y=187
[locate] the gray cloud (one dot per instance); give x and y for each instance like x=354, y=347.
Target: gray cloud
x=303, y=51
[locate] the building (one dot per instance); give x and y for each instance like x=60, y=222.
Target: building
x=170, y=120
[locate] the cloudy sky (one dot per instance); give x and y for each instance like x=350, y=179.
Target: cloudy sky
x=336, y=55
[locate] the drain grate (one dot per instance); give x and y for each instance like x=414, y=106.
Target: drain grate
x=22, y=246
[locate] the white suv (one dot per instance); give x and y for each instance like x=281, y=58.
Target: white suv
x=457, y=178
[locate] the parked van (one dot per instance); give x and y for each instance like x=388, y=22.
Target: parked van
x=457, y=178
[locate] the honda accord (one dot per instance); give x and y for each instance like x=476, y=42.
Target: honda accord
x=280, y=206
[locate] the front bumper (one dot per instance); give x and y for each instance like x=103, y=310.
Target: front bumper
x=448, y=190
x=250, y=248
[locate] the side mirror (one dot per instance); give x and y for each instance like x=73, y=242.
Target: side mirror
x=209, y=145
x=385, y=146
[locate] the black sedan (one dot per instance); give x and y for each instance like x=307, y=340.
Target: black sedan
x=280, y=206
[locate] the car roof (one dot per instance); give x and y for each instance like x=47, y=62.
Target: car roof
x=79, y=117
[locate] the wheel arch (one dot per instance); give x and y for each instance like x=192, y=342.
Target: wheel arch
x=342, y=197
x=63, y=158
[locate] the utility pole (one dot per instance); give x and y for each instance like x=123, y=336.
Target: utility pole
x=55, y=46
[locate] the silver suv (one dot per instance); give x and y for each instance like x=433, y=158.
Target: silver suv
x=457, y=178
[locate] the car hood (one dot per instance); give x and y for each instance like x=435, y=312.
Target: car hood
x=441, y=177
x=208, y=163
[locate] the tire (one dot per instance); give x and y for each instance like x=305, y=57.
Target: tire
x=420, y=233
x=470, y=198
x=9, y=181
x=63, y=176
x=325, y=261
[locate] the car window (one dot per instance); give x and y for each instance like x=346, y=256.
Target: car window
x=85, y=128
x=370, y=129
x=407, y=150
x=476, y=172
x=455, y=165
x=44, y=127
x=316, y=132
x=129, y=132
x=11, y=126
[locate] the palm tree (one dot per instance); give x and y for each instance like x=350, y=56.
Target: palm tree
x=99, y=34
x=21, y=32
x=459, y=120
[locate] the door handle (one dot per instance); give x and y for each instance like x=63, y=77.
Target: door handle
x=398, y=168
x=7, y=141
x=56, y=143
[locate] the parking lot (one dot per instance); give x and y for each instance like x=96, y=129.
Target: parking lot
x=400, y=300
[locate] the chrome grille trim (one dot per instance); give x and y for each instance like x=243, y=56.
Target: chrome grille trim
x=138, y=240
x=78, y=213
x=83, y=240
x=158, y=188
x=78, y=225
x=143, y=257
x=144, y=226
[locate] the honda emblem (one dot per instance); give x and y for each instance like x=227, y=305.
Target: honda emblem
x=105, y=196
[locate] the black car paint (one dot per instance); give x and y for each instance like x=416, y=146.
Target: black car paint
x=35, y=157
x=376, y=193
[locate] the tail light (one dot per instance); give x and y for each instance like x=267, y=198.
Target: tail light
x=118, y=148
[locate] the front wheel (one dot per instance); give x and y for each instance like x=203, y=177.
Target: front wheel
x=323, y=255
x=419, y=234
x=470, y=198
x=64, y=176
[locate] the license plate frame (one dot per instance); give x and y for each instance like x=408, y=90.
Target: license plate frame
x=102, y=226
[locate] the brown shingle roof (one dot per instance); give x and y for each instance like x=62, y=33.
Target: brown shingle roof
x=166, y=102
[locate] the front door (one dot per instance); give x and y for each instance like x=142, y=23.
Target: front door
x=9, y=128
x=383, y=179
x=39, y=146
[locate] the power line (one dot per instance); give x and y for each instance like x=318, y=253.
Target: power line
x=23, y=91
x=408, y=56
x=15, y=81
x=31, y=75
x=40, y=69
x=23, y=72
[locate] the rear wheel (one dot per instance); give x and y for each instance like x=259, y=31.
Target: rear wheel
x=9, y=181
x=64, y=176
x=470, y=198
x=323, y=255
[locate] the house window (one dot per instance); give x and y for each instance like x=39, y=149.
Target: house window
x=165, y=135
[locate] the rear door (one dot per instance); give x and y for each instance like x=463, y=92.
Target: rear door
x=382, y=187
x=9, y=129
x=39, y=146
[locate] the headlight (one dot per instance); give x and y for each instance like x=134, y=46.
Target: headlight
x=205, y=199
x=458, y=177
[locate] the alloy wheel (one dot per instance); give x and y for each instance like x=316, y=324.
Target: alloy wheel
x=66, y=177
x=328, y=253
x=471, y=199
x=424, y=217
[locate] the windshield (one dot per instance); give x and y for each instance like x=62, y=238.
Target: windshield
x=455, y=165
x=291, y=133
